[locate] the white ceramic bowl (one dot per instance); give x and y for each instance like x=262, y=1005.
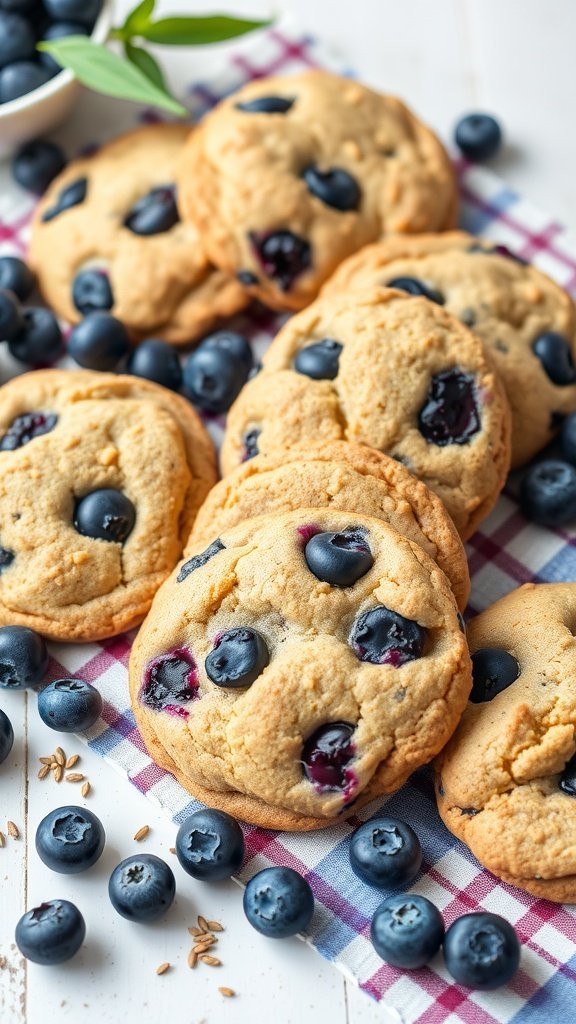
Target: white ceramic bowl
x=39, y=111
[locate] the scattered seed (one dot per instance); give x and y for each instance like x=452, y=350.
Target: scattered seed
x=2, y=840
x=196, y=931
x=72, y=760
x=162, y=968
x=44, y=771
x=227, y=991
x=215, y=926
x=74, y=777
x=203, y=923
x=142, y=833
x=201, y=947
x=13, y=830
x=60, y=756
x=192, y=958
x=172, y=849
x=86, y=789
x=58, y=773
x=212, y=961
x=3, y=962
x=46, y=760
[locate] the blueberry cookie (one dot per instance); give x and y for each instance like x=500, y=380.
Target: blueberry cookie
x=108, y=236
x=100, y=480
x=299, y=666
x=527, y=321
x=288, y=176
x=506, y=783
x=390, y=370
x=342, y=476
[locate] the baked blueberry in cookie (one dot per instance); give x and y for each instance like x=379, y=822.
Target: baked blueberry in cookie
x=283, y=683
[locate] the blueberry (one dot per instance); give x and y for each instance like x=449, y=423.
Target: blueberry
x=568, y=438
x=231, y=341
x=92, y=292
x=59, y=30
x=6, y=736
x=210, y=845
x=36, y=164
x=283, y=256
x=320, y=360
x=17, y=42
x=105, y=514
x=155, y=360
x=278, y=902
x=384, y=637
x=11, y=322
x=23, y=657
x=170, y=681
x=216, y=372
x=83, y=11
x=19, y=79
x=407, y=931
x=69, y=705
x=493, y=670
x=40, y=341
x=142, y=888
x=567, y=782
x=327, y=755
x=199, y=560
x=267, y=105
x=450, y=413
x=334, y=187
x=553, y=351
x=25, y=428
x=70, y=840
x=18, y=6
x=51, y=933
x=414, y=286
x=16, y=277
x=238, y=657
x=6, y=558
x=69, y=196
x=250, y=444
x=385, y=852
x=548, y=493
x=154, y=213
x=481, y=950
x=99, y=342
x=478, y=136
x=339, y=559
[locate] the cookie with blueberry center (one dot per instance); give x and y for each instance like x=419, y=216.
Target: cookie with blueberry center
x=506, y=782
x=100, y=479
x=107, y=236
x=390, y=370
x=299, y=666
x=526, y=320
x=290, y=175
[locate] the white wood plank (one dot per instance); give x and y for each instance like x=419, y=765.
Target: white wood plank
x=13, y=798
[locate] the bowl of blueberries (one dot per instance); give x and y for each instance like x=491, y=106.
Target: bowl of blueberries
x=35, y=93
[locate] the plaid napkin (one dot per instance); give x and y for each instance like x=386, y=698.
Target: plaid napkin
x=506, y=552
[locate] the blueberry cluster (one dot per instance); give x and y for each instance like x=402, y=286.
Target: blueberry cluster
x=32, y=333
x=548, y=487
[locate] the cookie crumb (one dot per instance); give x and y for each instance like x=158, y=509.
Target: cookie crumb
x=79, y=557
x=108, y=456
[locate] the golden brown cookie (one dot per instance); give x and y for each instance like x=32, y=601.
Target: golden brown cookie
x=290, y=175
x=340, y=476
x=107, y=236
x=101, y=477
x=526, y=320
x=506, y=782
x=392, y=371
x=302, y=665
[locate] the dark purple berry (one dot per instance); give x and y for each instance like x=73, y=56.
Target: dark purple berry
x=71, y=195
x=210, y=845
x=154, y=213
x=170, y=681
x=493, y=670
x=414, y=286
x=83, y=11
x=199, y=560
x=320, y=360
x=157, y=361
x=553, y=351
x=36, y=164
x=19, y=79
x=567, y=782
x=548, y=493
x=17, y=42
x=92, y=292
x=383, y=637
x=70, y=840
x=99, y=342
x=283, y=256
x=450, y=414
x=69, y=705
x=11, y=321
x=16, y=277
x=339, y=558
x=327, y=756
x=25, y=428
x=267, y=105
x=105, y=514
x=407, y=931
x=386, y=853
x=6, y=736
x=278, y=902
x=51, y=933
x=142, y=888
x=238, y=657
x=40, y=342
x=478, y=136
x=23, y=657
x=334, y=187
x=215, y=373
x=250, y=444
x=481, y=950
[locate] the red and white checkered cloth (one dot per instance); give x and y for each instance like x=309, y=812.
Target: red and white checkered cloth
x=506, y=552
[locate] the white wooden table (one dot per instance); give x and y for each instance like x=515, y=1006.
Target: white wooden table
x=511, y=57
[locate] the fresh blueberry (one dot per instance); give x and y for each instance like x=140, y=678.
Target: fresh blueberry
x=156, y=360
x=83, y=11
x=414, y=286
x=36, y=164
x=267, y=105
x=327, y=755
x=16, y=277
x=105, y=514
x=6, y=558
x=216, y=372
x=386, y=853
x=384, y=637
x=51, y=933
x=92, y=292
x=199, y=560
x=278, y=902
x=17, y=42
x=231, y=341
x=170, y=682
x=6, y=736
x=238, y=657
x=478, y=136
x=548, y=493
x=154, y=213
x=334, y=187
x=19, y=79
x=210, y=845
x=567, y=782
x=250, y=444
x=23, y=657
x=481, y=950
x=339, y=559
x=40, y=341
x=493, y=670
x=11, y=321
x=553, y=351
x=71, y=195
x=18, y=6
x=320, y=360
x=25, y=428
x=450, y=413
x=142, y=888
x=283, y=256
x=59, y=30
x=70, y=840
x=407, y=931
x=69, y=705
x=99, y=342
x=568, y=438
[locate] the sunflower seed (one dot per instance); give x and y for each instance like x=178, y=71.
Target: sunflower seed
x=85, y=789
x=58, y=773
x=192, y=958
x=44, y=771
x=215, y=926
x=201, y=947
x=203, y=923
x=13, y=830
x=142, y=833
x=46, y=760
x=162, y=968
x=2, y=840
x=227, y=991
x=212, y=961
x=74, y=777
x=196, y=931
x=60, y=756
x=72, y=760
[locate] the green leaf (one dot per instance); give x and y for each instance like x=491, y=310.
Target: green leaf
x=198, y=31
x=145, y=61
x=106, y=72
x=139, y=18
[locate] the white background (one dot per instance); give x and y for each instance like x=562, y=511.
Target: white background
x=514, y=58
